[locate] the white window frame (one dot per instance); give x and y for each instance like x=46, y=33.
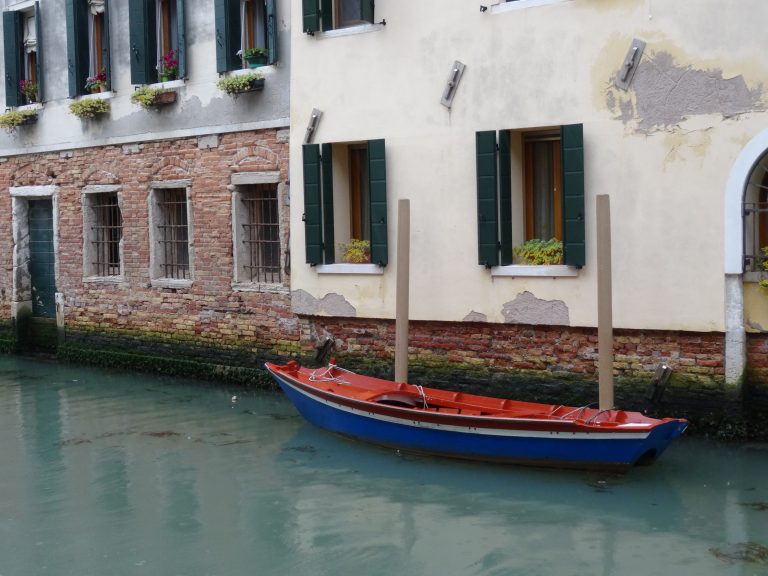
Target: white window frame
x=87, y=194
x=155, y=262
x=238, y=180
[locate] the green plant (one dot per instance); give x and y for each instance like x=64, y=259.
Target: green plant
x=97, y=82
x=145, y=96
x=169, y=66
x=764, y=266
x=251, y=53
x=540, y=252
x=89, y=107
x=356, y=251
x=238, y=83
x=15, y=118
x=29, y=89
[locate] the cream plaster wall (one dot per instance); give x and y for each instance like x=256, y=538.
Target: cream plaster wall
x=538, y=66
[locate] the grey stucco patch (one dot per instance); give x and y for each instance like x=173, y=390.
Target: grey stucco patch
x=206, y=142
x=527, y=309
x=475, y=317
x=302, y=302
x=666, y=93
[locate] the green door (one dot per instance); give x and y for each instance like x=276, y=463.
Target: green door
x=41, y=258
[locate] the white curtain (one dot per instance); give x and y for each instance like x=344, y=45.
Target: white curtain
x=95, y=7
x=159, y=32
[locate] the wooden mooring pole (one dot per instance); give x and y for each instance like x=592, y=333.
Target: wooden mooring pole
x=604, y=303
x=403, y=281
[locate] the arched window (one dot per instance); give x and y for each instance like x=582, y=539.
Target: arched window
x=756, y=216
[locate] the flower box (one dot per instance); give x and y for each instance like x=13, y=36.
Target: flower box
x=164, y=98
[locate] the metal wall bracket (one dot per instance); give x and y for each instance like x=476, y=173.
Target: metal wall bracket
x=453, y=82
x=314, y=120
x=631, y=62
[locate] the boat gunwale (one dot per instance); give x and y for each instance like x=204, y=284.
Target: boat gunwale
x=501, y=422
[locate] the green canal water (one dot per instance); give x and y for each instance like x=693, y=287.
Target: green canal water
x=105, y=473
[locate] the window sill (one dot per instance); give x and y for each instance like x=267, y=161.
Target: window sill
x=97, y=95
x=170, y=283
x=364, y=269
x=556, y=271
x=351, y=30
x=522, y=5
x=753, y=277
x=170, y=84
x=33, y=106
x=263, y=70
x=255, y=287
x=103, y=279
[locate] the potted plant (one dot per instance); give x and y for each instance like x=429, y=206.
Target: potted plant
x=540, y=252
x=29, y=89
x=15, y=118
x=356, y=251
x=148, y=97
x=87, y=108
x=97, y=82
x=256, y=57
x=764, y=266
x=238, y=83
x=169, y=66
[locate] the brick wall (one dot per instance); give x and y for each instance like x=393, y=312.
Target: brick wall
x=208, y=312
x=501, y=348
x=757, y=360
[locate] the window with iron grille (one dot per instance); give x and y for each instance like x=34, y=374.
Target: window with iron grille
x=171, y=234
x=103, y=223
x=756, y=218
x=258, y=220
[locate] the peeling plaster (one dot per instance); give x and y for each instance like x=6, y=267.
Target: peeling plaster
x=527, y=309
x=475, y=317
x=302, y=302
x=664, y=93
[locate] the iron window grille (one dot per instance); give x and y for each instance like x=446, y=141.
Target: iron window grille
x=261, y=234
x=173, y=233
x=107, y=231
x=756, y=218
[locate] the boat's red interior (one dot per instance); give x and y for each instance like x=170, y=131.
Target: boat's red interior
x=365, y=388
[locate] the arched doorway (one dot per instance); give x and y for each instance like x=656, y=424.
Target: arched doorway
x=744, y=234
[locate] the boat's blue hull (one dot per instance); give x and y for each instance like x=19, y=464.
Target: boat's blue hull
x=617, y=450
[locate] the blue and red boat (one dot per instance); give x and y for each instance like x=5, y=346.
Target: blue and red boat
x=456, y=424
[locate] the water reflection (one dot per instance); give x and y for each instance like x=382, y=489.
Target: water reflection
x=105, y=473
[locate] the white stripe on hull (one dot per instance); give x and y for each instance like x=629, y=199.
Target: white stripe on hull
x=597, y=435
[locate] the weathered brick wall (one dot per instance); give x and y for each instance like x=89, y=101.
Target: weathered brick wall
x=500, y=348
x=757, y=360
x=209, y=312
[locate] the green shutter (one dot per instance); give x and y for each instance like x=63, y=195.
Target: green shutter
x=227, y=16
x=272, y=30
x=76, y=73
x=487, y=208
x=181, y=33
x=572, y=151
x=12, y=36
x=505, y=197
x=326, y=12
x=143, y=41
x=313, y=230
x=327, y=193
x=377, y=193
x=39, y=65
x=105, y=51
x=311, y=16
x=366, y=10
